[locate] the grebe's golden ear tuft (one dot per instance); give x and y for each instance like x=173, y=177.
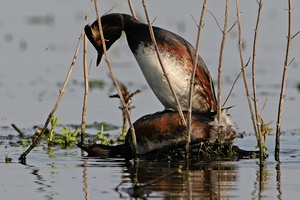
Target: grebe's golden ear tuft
x=112, y=26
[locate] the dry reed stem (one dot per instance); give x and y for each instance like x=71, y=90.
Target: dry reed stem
x=61, y=91
x=183, y=121
x=283, y=83
x=116, y=83
x=189, y=117
x=21, y=133
x=258, y=117
x=254, y=59
x=86, y=88
x=131, y=9
x=244, y=68
x=221, y=61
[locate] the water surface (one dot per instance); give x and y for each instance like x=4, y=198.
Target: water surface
x=38, y=41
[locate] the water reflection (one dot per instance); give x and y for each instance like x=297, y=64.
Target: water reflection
x=43, y=187
x=278, y=181
x=173, y=180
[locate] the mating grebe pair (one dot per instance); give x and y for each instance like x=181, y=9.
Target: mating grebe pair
x=159, y=130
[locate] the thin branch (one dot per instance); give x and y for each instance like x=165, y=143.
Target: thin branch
x=202, y=24
x=215, y=20
x=131, y=9
x=222, y=47
x=263, y=108
x=21, y=133
x=257, y=118
x=283, y=83
x=291, y=61
x=295, y=35
x=232, y=27
x=61, y=91
x=162, y=66
x=243, y=67
x=135, y=153
x=111, y=9
x=189, y=118
x=86, y=88
x=234, y=82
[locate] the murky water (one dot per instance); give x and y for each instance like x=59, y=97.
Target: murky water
x=65, y=174
x=37, y=43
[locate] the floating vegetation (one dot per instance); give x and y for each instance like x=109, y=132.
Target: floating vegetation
x=66, y=137
x=7, y=159
x=202, y=151
x=96, y=84
x=99, y=125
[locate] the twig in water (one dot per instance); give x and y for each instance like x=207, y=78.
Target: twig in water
x=244, y=68
x=127, y=95
x=21, y=133
x=258, y=118
x=283, y=83
x=116, y=83
x=86, y=88
x=189, y=118
x=61, y=92
x=220, y=68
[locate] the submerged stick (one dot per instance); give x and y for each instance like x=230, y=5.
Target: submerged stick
x=61, y=92
x=283, y=83
x=162, y=65
x=135, y=153
x=21, y=133
x=86, y=88
x=189, y=117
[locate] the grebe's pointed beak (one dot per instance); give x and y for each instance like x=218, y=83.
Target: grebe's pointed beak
x=99, y=58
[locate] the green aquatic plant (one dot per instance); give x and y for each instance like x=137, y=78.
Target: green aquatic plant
x=96, y=84
x=265, y=131
x=69, y=137
x=66, y=137
x=54, y=121
x=7, y=159
x=102, y=138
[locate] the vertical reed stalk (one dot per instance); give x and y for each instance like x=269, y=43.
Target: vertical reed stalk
x=189, y=117
x=135, y=153
x=61, y=91
x=243, y=66
x=283, y=83
x=221, y=61
x=162, y=66
x=86, y=88
x=257, y=119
